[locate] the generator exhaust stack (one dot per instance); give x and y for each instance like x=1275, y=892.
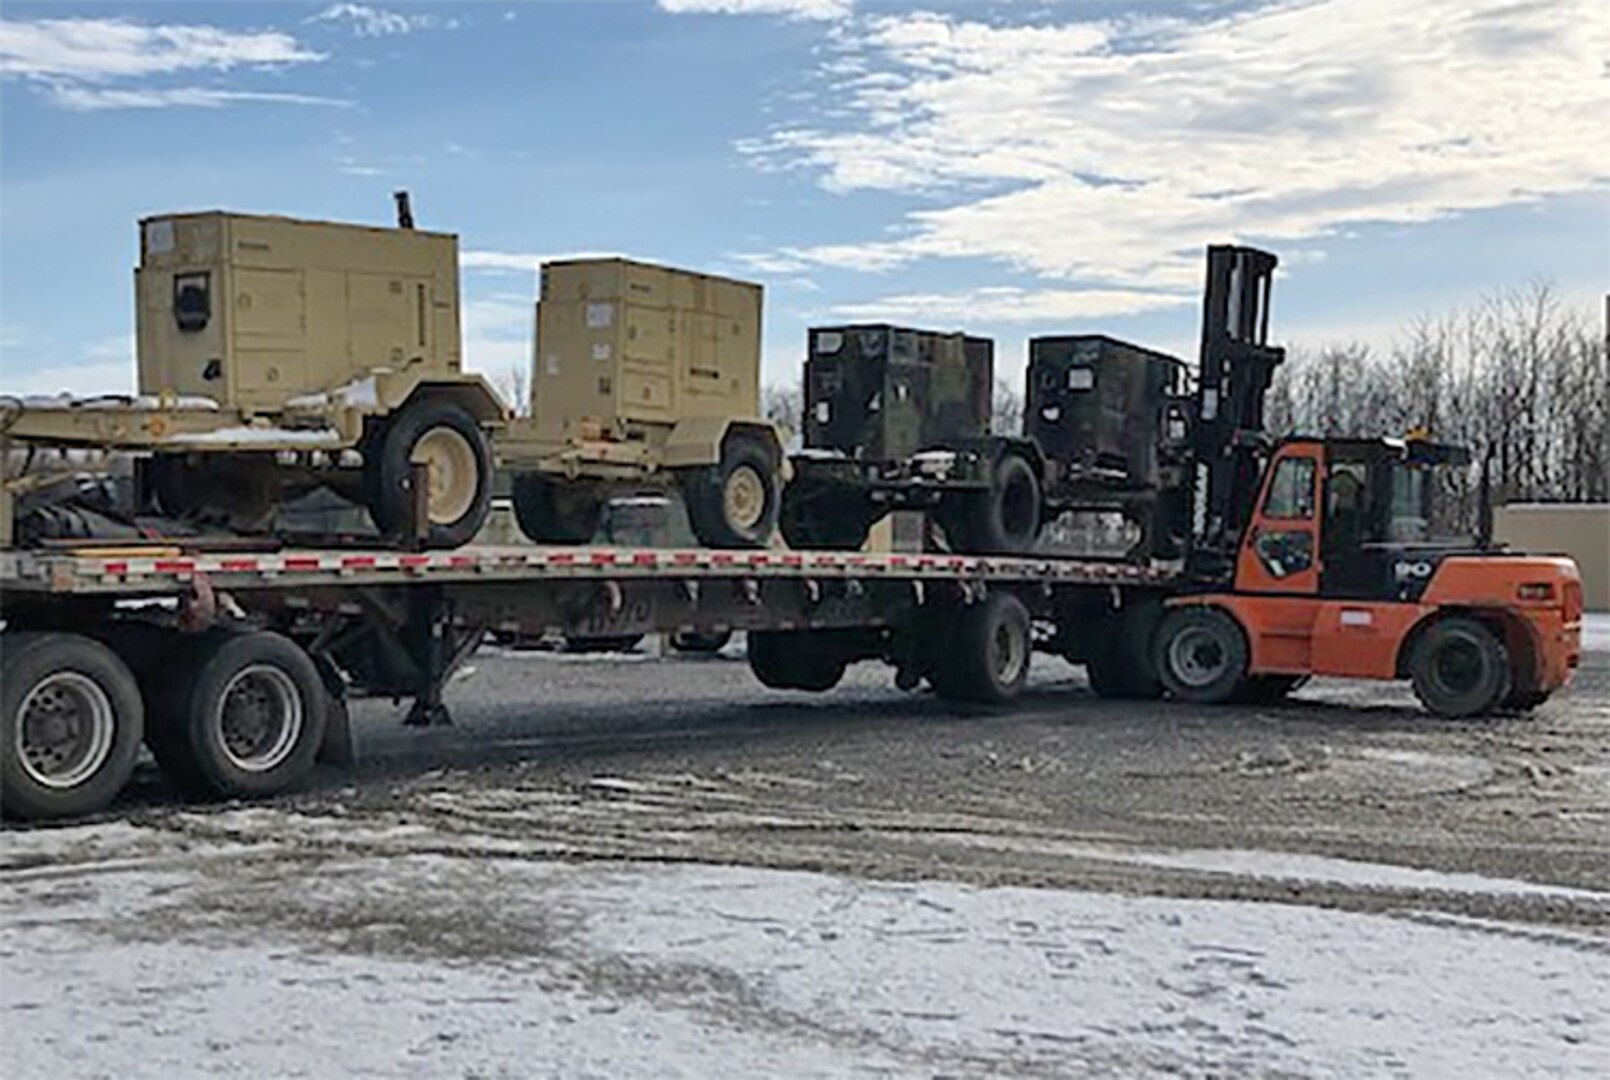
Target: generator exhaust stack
x=405, y=211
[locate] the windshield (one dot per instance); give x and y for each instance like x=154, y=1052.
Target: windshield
x=1428, y=503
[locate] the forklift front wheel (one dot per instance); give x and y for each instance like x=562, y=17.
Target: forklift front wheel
x=1201, y=655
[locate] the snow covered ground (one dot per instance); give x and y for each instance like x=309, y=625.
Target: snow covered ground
x=130, y=951
x=1596, y=631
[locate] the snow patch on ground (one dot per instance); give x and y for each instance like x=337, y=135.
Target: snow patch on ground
x=310, y=956
x=1596, y=631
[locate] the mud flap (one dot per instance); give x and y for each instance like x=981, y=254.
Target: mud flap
x=338, y=747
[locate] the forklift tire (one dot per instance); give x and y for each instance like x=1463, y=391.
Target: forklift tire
x=734, y=504
x=1003, y=520
x=989, y=652
x=794, y=660
x=1520, y=701
x=547, y=513
x=1460, y=668
x=1201, y=655
x=246, y=718
x=71, y=724
x=445, y=437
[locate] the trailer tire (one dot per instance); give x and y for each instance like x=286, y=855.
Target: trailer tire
x=603, y=643
x=794, y=660
x=445, y=436
x=551, y=512
x=1201, y=655
x=989, y=652
x=700, y=641
x=824, y=523
x=1120, y=664
x=1002, y=520
x=246, y=721
x=1460, y=668
x=71, y=724
x=734, y=503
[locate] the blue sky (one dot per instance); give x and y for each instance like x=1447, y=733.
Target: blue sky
x=1008, y=168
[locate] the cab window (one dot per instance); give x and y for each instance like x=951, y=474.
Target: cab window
x=1291, y=490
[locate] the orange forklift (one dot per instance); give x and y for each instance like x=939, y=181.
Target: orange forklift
x=1334, y=556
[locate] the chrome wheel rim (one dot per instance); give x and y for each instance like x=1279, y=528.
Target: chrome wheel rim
x=1008, y=652
x=65, y=730
x=258, y=718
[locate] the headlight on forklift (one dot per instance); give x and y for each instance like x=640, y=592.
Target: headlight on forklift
x=1535, y=591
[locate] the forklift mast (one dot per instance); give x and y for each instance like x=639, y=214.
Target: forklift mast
x=1228, y=440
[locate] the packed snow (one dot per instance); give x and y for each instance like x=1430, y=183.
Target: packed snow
x=143, y=954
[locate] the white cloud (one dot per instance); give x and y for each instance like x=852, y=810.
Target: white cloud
x=517, y=262
x=91, y=98
x=366, y=21
x=1010, y=305
x=96, y=50
x=794, y=9
x=1109, y=152
x=79, y=380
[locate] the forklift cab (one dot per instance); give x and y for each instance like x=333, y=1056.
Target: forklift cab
x=1355, y=518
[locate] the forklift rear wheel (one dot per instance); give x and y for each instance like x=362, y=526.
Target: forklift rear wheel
x=447, y=440
x=549, y=512
x=1460, y=668
x=246, y=720
x=734, y=504
x=989, y=652
x=1201, y=655
x=71, y=724
x=1003, y=520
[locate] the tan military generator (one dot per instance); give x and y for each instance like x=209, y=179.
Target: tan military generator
x=278, y=355
x=645, y=377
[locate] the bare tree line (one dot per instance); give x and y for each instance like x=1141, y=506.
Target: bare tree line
x=1519, y=379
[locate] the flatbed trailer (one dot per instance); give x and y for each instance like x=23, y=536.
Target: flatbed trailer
x=234, y=666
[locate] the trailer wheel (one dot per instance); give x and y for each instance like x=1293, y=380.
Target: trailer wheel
x=71, y=724
x=1460, y=668
x=734, y=504
x=553, y=512
x=246, y=721
x=989, y=652
x=794, y=660
x=1121, y=662
x=824, y=523
x=448, y=440
x=1201, y=655
x=1004, y=519
x=700, y=641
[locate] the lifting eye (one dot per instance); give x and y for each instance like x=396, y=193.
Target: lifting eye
x=192, y=302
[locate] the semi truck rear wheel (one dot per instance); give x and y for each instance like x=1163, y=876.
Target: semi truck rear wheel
x=734, y=504
x=70, y=727
x=246, y=720
x=1460, y=668
x=794, y=660
x=987, y=656
x=551, y=512
x=452, y=446
x=1201, y=655
x=1121, y=662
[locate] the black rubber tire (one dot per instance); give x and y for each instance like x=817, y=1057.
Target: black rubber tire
x=26, y=659
x=824, y=523
x=989, y=652
x=1267, y=689
x=794, y=660
x=1460, y=668
x=547, y=514
x=1214, y=643
x=704, y=491
x=1002, y=520
x=1524, y=701
x=615, y=643
x=188, y=740
x=388, y=466
x=700, y=641
x=1121, y=663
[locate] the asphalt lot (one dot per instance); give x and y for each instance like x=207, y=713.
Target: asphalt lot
x=654, y=866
